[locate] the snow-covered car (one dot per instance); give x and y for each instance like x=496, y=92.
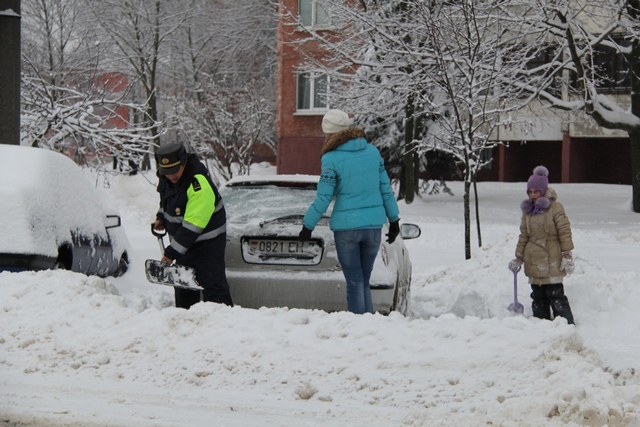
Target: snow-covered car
x=52, y=217
x=269, y=266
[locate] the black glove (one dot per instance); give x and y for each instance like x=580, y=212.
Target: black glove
x=305, y=233
x=394, y=230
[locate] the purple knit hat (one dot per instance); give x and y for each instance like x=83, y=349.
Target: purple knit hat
x=539, y=180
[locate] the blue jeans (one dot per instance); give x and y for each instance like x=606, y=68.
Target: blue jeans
x=357, y=251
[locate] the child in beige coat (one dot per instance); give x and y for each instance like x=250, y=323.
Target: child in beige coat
x=545, y=246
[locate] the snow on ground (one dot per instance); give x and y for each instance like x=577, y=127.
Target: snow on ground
x=83, y=351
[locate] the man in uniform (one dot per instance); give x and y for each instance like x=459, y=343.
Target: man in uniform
x=192, y=212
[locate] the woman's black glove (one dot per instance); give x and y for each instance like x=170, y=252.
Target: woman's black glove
x=305, y=233
x=394, y=230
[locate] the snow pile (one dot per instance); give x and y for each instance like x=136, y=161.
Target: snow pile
x=83, y=351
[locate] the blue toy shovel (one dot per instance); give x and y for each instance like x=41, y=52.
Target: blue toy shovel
x=515, y=306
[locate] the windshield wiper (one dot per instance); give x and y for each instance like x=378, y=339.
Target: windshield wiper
x=287, y=218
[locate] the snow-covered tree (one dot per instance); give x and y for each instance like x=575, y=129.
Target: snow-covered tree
x=224, y=67
x=442, y=72
x=231, y=41
x=477, y=49
x=69, y=103
x=52, y=41
x=80, y=122
x=142, y=63
x=583, y=38
x=137, y=34
x=225, y=128
x=368, y=77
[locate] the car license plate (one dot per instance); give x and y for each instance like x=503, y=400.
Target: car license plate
x=281, y=250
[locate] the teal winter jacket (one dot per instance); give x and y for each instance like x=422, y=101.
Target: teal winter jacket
x=353, y=172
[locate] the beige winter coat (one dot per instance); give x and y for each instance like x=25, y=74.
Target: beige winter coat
x=543, y=238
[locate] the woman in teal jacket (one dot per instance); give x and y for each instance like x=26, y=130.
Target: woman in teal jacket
x=353, y=172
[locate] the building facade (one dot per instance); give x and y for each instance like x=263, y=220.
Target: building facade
x=301, y=100
x=575, y=149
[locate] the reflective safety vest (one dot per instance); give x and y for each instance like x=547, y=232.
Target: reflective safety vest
x=192, y=209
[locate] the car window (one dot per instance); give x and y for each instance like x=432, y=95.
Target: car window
x=245, y=203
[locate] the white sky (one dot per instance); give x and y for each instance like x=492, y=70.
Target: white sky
x=82, y=351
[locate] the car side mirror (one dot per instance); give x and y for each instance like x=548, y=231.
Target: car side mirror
x=112, y=221
x=410, y=231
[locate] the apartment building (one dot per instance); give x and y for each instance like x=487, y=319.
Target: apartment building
x=575, y=149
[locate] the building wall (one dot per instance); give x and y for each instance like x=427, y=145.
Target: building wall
x=520, y=158
x=572, y=160
x=299, y=137
x=576, y=150
x=606, y=161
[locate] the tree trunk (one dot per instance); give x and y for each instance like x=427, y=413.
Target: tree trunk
x=475, y=196
x=467, y=218
x=417, y=135
x=401, y=190
x=408, y=170
x=635, y=169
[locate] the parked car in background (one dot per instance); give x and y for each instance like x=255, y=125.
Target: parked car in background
x=268, y=265
x=53, y=217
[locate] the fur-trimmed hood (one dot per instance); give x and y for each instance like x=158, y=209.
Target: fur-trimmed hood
x=540, y=205
x=334, y=140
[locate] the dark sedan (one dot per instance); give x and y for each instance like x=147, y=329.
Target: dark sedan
x=53, y=217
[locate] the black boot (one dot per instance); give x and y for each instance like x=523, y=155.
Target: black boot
x=540, y=304
x=559, y=302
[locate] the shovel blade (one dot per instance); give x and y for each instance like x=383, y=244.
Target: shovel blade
x=177, y=276
x=516, y=307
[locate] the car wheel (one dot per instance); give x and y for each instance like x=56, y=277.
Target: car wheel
x=64, y=259
x=123, y=265
x=59, y=266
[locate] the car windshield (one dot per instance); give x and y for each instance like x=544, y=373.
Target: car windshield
x=267, y=201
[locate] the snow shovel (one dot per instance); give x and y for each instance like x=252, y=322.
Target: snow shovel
x=515, y=306
x=174, y=275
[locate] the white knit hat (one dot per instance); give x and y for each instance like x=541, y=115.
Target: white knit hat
x=335, y=121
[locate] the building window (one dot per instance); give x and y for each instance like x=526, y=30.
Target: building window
x=613, y=69
x=610, y=68
x=311, y=13
x=312, y=91
x=486, y=158
x=539, y=61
